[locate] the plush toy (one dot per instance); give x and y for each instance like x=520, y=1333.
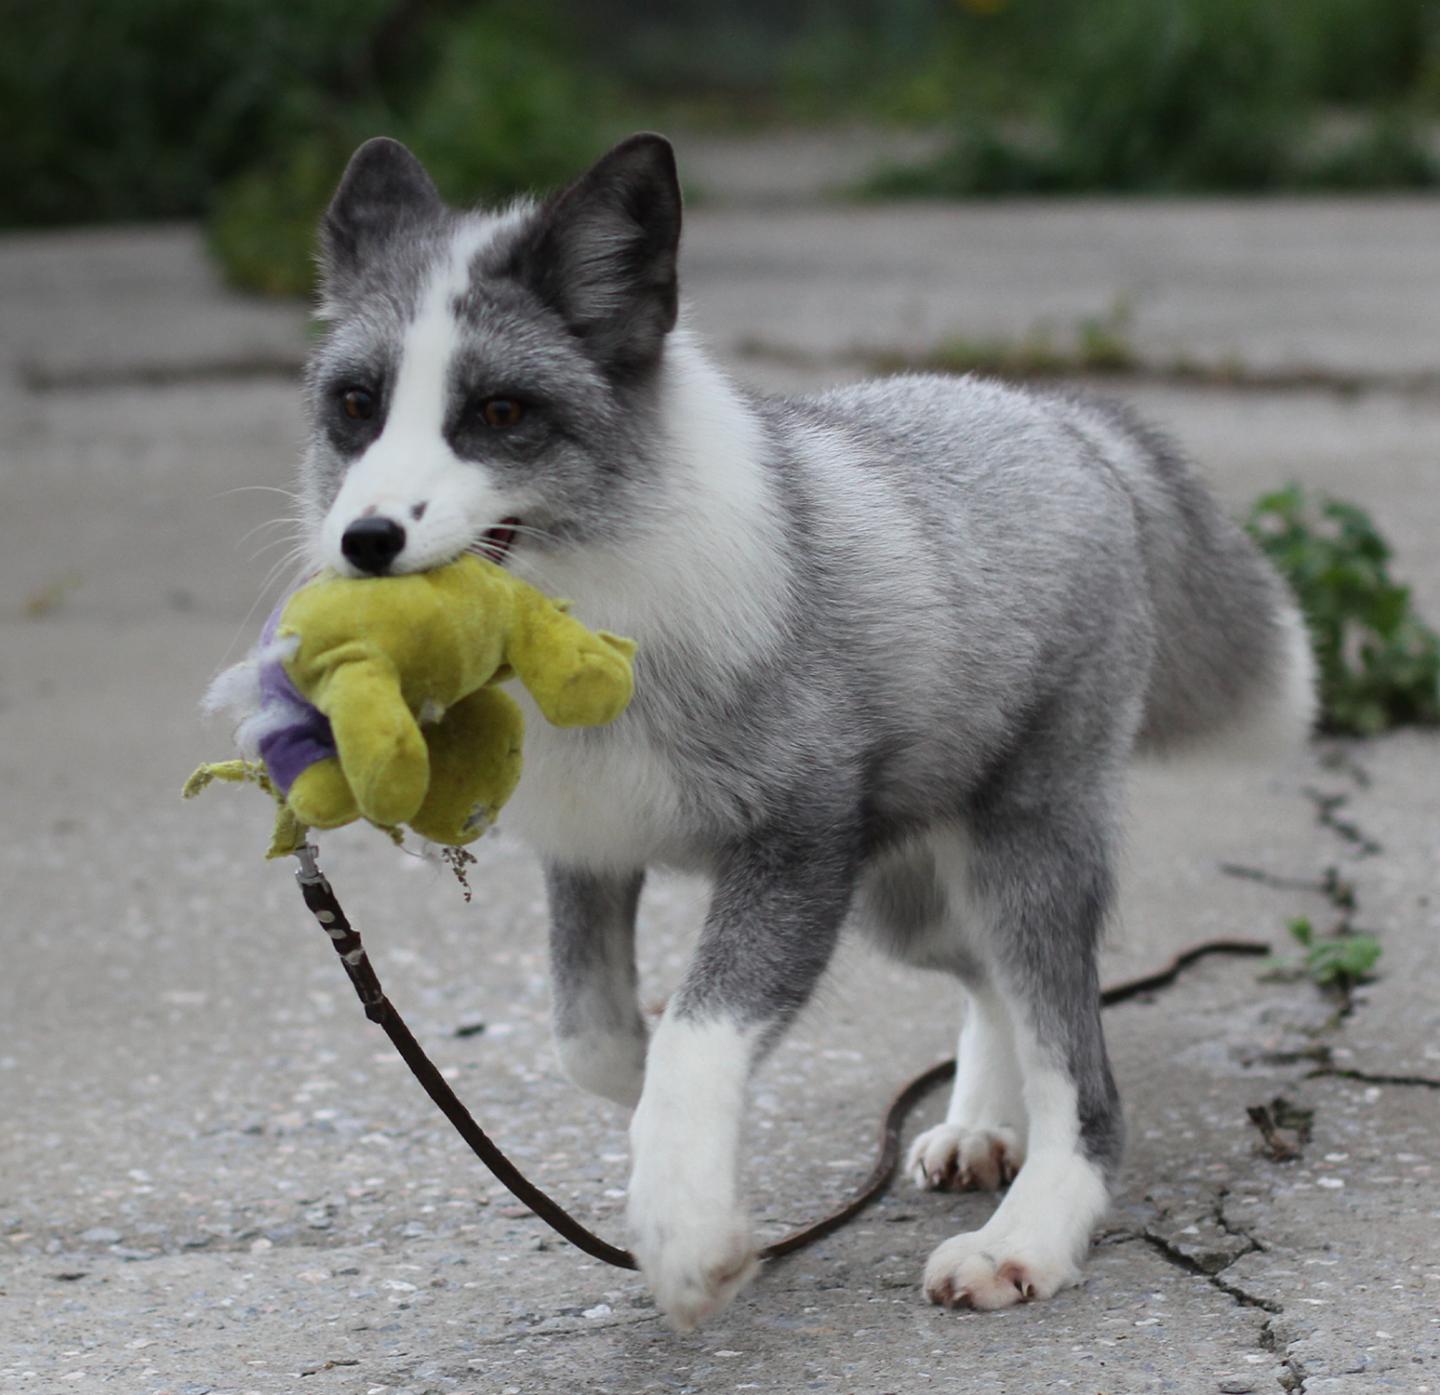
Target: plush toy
x=378, y=698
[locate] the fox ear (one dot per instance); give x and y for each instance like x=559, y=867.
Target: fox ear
x=383, y=190
x=603, y=254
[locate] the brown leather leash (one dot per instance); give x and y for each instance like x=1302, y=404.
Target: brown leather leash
x=321, y=899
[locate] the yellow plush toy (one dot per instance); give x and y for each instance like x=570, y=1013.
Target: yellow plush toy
x=378, y=698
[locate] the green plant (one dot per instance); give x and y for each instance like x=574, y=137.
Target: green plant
x=1175, y=96
x=261, y=228
x=1379, y=663
x=1178, y=96
x=138, y=110
x=1339, y=960
x=504, y=109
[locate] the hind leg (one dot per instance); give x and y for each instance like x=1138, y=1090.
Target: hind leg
x=919, y=909
x=1042, y=882
x=981, y=1144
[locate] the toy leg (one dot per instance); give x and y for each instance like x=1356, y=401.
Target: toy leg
x=321, y=796
x=474, y=767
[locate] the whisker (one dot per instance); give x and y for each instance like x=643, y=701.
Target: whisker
x=296, y=557
x=530, y=530
x=258, y=489
x=271, y=544
x=261, y=527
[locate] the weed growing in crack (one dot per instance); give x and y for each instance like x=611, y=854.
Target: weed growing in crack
x=1097, y=345
x=1379, y=663
x=1339, y=960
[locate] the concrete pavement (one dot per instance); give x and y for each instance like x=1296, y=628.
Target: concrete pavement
x=215, y=1178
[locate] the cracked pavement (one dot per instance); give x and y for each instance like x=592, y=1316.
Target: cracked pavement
x=215, y=1177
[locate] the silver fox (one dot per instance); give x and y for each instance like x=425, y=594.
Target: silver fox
x=897, y=644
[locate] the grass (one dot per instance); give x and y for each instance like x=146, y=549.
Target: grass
x=1095, y=345
x=504, y=109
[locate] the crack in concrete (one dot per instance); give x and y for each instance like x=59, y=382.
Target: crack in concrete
x=1180, y=1259
x=1370, y=1077
x=1273, y=880
x=1326, y=815
x=1238, y=1231
x=1295, y=1375
x=1216, y=1280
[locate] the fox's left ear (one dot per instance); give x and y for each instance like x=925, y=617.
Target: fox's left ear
x=383, y=191
x=603, y=254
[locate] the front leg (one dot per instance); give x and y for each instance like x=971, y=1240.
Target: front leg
x=599, y=1032
x=777, y=907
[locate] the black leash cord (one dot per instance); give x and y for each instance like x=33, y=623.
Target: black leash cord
x=325, y=907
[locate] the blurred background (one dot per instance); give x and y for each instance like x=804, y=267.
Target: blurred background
x=212, y=1176
x=242, y=112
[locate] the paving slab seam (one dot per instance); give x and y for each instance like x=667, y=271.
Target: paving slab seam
x=1177, y=373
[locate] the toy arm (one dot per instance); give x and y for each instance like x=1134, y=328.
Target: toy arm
x=578, y=677
x=381, y=749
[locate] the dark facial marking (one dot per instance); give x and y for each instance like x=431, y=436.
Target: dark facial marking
x=353, y=413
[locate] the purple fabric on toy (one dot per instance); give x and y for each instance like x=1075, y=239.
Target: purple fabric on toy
x=290, y=749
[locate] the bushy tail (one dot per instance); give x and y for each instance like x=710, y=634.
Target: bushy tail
x=1233, y=659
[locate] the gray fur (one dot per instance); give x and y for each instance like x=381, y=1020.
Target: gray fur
x=987, y=597
x=593, y=919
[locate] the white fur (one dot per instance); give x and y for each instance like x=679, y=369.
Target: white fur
x=708, y=559
x=235, y=693
x=1279, y=721
x=982, y=1141
x=707, y=563
x=609, y=1064
x=689, y=1228
x=1033, y=1245
x=411, y=463
x=607, y=800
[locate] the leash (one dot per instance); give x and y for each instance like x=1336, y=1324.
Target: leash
x=325, y=907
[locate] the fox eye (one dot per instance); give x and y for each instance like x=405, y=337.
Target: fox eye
x=502, y=412
x=358, y=403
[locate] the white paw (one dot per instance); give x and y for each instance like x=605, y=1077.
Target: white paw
x=612, y=1065
x=995, y=1270
x=694, y=1263
x=951, y=1158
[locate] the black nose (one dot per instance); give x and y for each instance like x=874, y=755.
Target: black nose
x=373, y=543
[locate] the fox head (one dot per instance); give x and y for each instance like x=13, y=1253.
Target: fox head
x=486, y=381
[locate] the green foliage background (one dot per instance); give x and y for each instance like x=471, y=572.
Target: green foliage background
x=243, y=111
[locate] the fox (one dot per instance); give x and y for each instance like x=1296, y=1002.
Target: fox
x=898, y=642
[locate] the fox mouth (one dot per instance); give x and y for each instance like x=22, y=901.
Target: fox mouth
x=495, y=543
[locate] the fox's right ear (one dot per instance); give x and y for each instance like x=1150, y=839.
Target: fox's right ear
x=384, y=190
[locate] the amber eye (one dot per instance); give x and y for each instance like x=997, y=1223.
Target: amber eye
x=359, y=405
x=502, y=412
